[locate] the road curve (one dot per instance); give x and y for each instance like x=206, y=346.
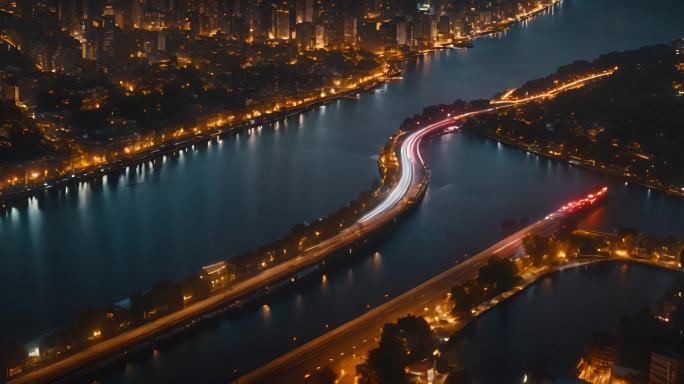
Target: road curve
x=412, y=169
x=410, y=185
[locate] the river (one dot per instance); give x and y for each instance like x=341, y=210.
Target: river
x=102, y=241
x=552, y=321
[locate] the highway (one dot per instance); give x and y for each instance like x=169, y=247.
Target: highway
x=357, y=336
x=409, y=187
x=411, y=183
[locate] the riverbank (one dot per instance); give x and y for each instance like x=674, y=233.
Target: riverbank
x=346, y=346
x=9, y=195
x=35, y=182
x=349, y=238
x=594, y=168
x=601, y=126
x=398, y=195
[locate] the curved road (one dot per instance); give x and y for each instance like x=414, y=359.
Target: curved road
x=411, y=184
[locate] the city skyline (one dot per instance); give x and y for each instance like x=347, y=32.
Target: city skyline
x=371, y=191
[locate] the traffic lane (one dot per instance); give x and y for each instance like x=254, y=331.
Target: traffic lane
x=343, y=339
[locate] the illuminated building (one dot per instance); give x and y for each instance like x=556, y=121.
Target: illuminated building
x=109, y=25
x=219, y=274
x=667, y=367
x=320, y=36
x=282, y=24
x=9, y=93
x=305, y=36
x=304, y=11
x=370, y=37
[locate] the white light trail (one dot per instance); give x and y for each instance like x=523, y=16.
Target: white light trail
x=410, y=151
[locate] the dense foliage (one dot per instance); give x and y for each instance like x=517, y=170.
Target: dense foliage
x=20, y=138
x=631, y=120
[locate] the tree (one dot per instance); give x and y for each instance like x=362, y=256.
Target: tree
x=93, y=323
x=23, y=138
x=166, y=296
x=462, y=298
x=367, y=374
x=566, y=229
x=57, y=341
x=385, y=364
x=583, y=245
x=389, y=360
x=324, y=376
x=536, y=247
x=500, y=274
x=196, y=287
x=416, y=335
x=12, y=355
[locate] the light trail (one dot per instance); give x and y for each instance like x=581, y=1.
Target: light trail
x=405, y=181
x=590, y=199
x=380, y=215
x=505, y=99
x=411, y=157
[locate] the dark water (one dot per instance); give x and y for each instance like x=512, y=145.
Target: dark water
x=103, y=241
x=553, y=320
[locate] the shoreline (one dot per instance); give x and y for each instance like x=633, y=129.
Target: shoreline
x=355, y=236
x=10, y=195
x=410, y=197
x=405, y=192
x=570, y=163
x=272, y=369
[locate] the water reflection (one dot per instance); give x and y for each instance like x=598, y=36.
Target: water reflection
x=213, y=204
x=553, y=320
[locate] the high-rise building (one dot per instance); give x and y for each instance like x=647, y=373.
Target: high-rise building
x=9, y=92
x=69, y=16
x=334, y=32
x=370, y=38
x=161, y=41
x=88, y=50
x=209, y=16
x=667, y=367
x=136, y=13
x=402, y=33
x=388, y=31
x=281, y=23
x=350, y=31
x=321, y=39
x=303, y=11
x=109, y=27
x=305, y=36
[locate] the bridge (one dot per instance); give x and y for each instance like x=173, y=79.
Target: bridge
x=346, y=345
x=409, y=187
